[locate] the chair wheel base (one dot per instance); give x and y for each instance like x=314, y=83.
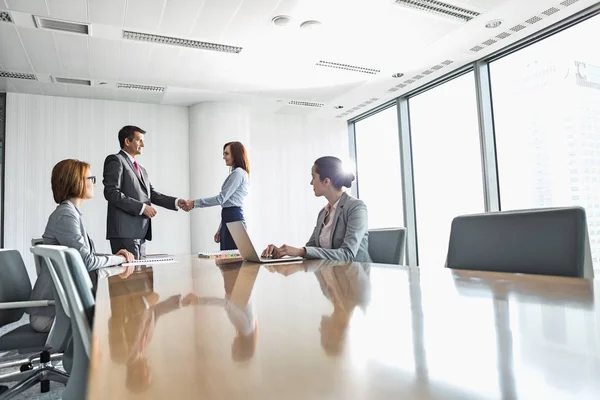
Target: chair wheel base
x=26, y=367
x=45, y=386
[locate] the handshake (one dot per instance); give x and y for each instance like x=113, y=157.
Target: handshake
x=185, y=205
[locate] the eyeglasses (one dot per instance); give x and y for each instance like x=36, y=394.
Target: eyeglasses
x=92, y=178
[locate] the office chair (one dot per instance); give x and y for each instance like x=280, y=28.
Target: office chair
x=547, y=241
x=386, y=246
x=15, y=292
x=72, y=274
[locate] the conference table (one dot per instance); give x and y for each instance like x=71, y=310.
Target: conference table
x=223, y=329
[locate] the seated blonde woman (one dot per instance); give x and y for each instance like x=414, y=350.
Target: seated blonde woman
x=72, y=184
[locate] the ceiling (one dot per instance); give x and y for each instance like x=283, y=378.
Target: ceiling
x=276, y=64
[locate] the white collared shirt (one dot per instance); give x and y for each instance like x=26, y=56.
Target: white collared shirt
x=325, y=236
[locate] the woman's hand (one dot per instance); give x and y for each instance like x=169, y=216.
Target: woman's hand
x=126, y=255
x=273, y=251
x=218, y=237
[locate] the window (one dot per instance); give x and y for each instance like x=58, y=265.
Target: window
x=447, y=163
x=2, y=147
x=378, y=165
x=547, y=122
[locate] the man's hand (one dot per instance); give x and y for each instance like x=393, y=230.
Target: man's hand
x=149, y=211
x=126, y=255
x=185, y=205
x=218, y=237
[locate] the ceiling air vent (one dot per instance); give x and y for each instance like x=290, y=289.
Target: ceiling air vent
x=347, y=67
x=550, y=11
x=503, y=35
x=72, y=81
x=518, y=28
x=134, y=86
x=5, y=17
x=18, y=75
x=59, y=25
x=533, y=20
x=439, y=8
x=300, y=103
x=194, y=44
x=567, y=3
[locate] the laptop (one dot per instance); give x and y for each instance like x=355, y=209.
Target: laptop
x=247, y=249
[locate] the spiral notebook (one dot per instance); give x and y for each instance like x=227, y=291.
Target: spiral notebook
x=220, y=254
x=162, y=259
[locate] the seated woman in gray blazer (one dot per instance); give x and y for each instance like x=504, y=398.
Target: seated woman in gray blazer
x=341, y=232
x=72, y=183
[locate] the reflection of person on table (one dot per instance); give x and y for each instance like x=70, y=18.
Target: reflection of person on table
x=346, y=286
x=135, y=311
x=240, y=312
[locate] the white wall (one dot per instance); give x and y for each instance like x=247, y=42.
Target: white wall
x=42, y=130
x=281, y=206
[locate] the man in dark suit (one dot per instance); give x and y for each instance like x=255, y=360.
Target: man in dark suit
x=130, y=195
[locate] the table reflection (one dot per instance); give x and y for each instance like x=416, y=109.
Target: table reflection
x=238, y=281
x=135, y=310
x=347, y=286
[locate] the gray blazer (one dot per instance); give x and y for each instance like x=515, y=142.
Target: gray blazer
x=350, y=236
x=126, y=193
x=65, y=228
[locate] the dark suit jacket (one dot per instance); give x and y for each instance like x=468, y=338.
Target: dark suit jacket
x=126, y=192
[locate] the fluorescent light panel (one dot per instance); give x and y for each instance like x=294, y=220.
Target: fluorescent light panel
x=347, y=67
x=134, y=86
x=301, y=103
x=18, y=75
x=194, y=44
x=439, y=8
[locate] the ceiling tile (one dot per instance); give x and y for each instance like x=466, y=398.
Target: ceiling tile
x=54, y=89
x=104, y=58
x=109, y=12
x=127, y=95
x=178, y=17
x=26, y=86
x=162, y=64
x=143, y=15
x=135, y=57
x=213, y=19
x=78, y=91
x=103, y=93
x=149, y=97
x=12, y=53
x=35, y=7
x=40, y=47
x=70, y=10
x=5, y=85
x=73, y=54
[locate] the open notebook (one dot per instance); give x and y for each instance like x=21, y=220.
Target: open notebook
x=162, y=259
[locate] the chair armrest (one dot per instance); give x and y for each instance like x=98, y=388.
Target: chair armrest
x=26, y=304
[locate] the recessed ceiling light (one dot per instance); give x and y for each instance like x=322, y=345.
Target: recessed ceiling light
x=398, y=75
x=338, y=107
x=493, y=23
x=281, y=20
x=310, y=24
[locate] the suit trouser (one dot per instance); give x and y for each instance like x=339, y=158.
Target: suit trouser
x=137, y=247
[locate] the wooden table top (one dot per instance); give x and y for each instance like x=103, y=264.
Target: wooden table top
x=332, y=330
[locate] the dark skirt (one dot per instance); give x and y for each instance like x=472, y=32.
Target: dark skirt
x=230, y=214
